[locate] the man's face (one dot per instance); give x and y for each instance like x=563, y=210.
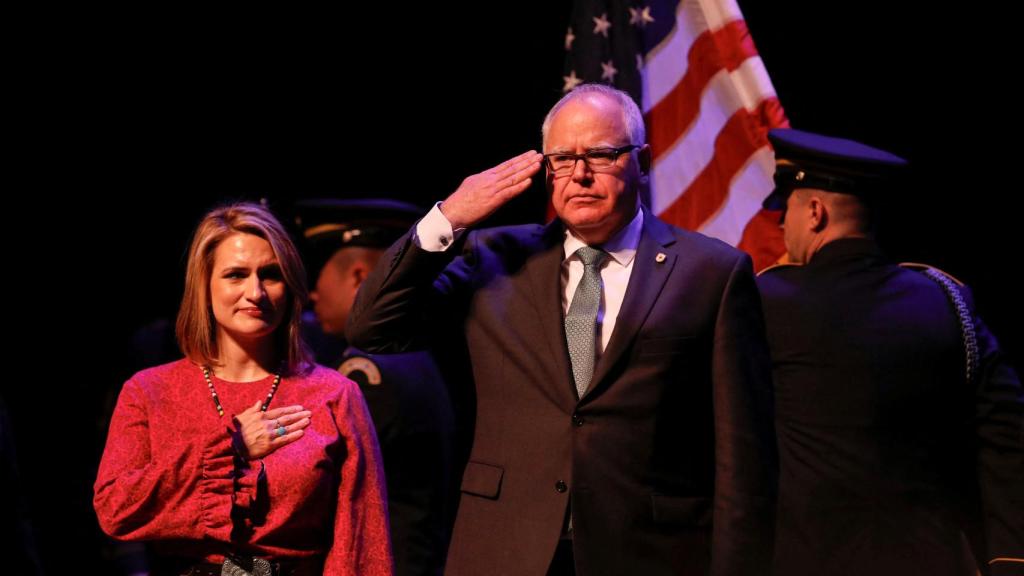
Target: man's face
x=334, y=294
x=594, y=205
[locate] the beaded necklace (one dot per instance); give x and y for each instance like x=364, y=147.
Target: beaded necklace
x=216, y=400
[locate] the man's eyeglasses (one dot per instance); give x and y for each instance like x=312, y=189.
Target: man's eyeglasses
x=597, y=160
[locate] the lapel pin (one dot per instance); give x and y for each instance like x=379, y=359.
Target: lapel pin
x=660, y=257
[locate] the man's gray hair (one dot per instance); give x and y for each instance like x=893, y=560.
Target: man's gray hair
x=630, y=111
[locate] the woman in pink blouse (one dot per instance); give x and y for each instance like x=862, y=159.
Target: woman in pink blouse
x=245, y=457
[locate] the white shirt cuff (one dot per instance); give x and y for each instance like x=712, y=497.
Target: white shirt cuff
x=434, y=232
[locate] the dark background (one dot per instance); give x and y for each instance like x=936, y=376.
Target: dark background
x=137, y=122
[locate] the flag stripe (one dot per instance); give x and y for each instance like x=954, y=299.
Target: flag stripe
x=718, y=12
x=724, y=49
x=676, y=168
x=744, y=199
x=663, y=66
x=734, y=144
x=707, y=102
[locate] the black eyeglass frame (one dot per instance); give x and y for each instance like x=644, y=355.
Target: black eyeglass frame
x=586, y=157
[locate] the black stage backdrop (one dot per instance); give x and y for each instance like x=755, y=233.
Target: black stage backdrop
x=134, y=123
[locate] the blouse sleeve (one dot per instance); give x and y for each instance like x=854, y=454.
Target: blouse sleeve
x=362, y=543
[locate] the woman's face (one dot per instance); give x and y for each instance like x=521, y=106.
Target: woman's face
x=247, y=291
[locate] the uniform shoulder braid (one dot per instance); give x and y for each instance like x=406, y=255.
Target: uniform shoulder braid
x=951, y=286
x=919, y=267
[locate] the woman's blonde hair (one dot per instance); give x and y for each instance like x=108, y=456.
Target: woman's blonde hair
x=195, y=328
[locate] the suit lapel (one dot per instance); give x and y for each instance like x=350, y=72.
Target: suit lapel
x=645, y=283
x=544, y=270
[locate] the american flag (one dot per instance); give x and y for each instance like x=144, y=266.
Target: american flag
x=707, y=102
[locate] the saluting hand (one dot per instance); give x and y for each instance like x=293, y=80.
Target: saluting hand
x=481, y=194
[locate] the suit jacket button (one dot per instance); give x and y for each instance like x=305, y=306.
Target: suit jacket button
x=577, y=419
x=560, y=487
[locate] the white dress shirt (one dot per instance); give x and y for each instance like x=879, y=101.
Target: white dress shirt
x=615, y=272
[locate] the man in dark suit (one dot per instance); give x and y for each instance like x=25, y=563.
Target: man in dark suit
x=406, y=395
x=894, y=405
x=623, y=396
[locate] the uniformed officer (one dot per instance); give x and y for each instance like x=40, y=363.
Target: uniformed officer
x=407, y=397
x=895, y=410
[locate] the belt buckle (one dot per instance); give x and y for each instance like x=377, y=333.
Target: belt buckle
x=246, y=566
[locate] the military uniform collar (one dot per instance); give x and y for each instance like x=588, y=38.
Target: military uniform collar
x=847, y=249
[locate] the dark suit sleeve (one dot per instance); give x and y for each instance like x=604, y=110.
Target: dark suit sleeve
x=746, y=461
x=409, y=293
x=1000, y=430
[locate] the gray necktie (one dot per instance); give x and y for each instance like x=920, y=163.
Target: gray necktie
x=581, y=321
